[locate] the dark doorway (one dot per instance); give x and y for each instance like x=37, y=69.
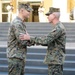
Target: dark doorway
x=35, y=17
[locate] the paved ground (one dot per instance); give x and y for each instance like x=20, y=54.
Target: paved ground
x=68, y=45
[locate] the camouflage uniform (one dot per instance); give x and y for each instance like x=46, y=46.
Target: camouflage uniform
x=17, y=49
x=55, y=41
x=55, y=69
x=16, y=66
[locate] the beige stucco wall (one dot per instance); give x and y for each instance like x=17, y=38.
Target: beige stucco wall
x=47, y=4
x=70, y=5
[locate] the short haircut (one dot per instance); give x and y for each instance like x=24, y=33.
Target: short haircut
x=57, y=14
x=21, y=5
x=25, y=6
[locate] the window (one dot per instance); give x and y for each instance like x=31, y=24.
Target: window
x=4, y=7
x=4, y=17
x=5, y=12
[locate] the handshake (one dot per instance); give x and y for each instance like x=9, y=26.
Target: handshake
x=30, y=40
x=24, y=36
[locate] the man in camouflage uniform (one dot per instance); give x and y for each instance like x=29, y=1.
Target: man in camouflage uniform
x=16, y=48
x=55, y=41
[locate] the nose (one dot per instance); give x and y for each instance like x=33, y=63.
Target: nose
x=47, y=17
x=29, y=12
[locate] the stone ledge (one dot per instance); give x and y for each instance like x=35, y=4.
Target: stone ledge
x=68, y=45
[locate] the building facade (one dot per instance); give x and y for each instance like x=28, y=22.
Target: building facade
x=9, y=9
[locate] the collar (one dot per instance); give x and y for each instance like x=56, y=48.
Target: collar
x=19, y=18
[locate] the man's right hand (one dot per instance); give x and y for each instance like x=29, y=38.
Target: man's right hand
x=24, y=36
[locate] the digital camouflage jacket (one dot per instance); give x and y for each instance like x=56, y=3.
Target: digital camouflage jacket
x=16, y=47
x=55, y=42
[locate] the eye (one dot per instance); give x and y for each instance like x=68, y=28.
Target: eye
x=28, y=10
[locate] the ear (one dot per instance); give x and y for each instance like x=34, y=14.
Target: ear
x=21, y=10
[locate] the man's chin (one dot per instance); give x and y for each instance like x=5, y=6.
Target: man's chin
x=28, y=17
x=50, y=22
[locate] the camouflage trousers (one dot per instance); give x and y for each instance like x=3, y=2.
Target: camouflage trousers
x=16, y=66
x=55, y=69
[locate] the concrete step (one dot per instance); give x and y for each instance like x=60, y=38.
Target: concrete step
x=42, y=31
x=45, y=30
x=70, y=57
x=39, y=62
x=3, y=34
x=69, y=71
x=65, y=73
x=69, y=64
x=37, y=49
x=39, y=56
x=6, y=73
x=38, y=70
x=71, y=36
x=32, y=28
x=68, y=40
x=37, y=30
x=39, y=24
x=42, y=55
x=38, y=33
x=28, y=69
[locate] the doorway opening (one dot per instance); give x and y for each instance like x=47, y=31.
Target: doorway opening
x=35, y=17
